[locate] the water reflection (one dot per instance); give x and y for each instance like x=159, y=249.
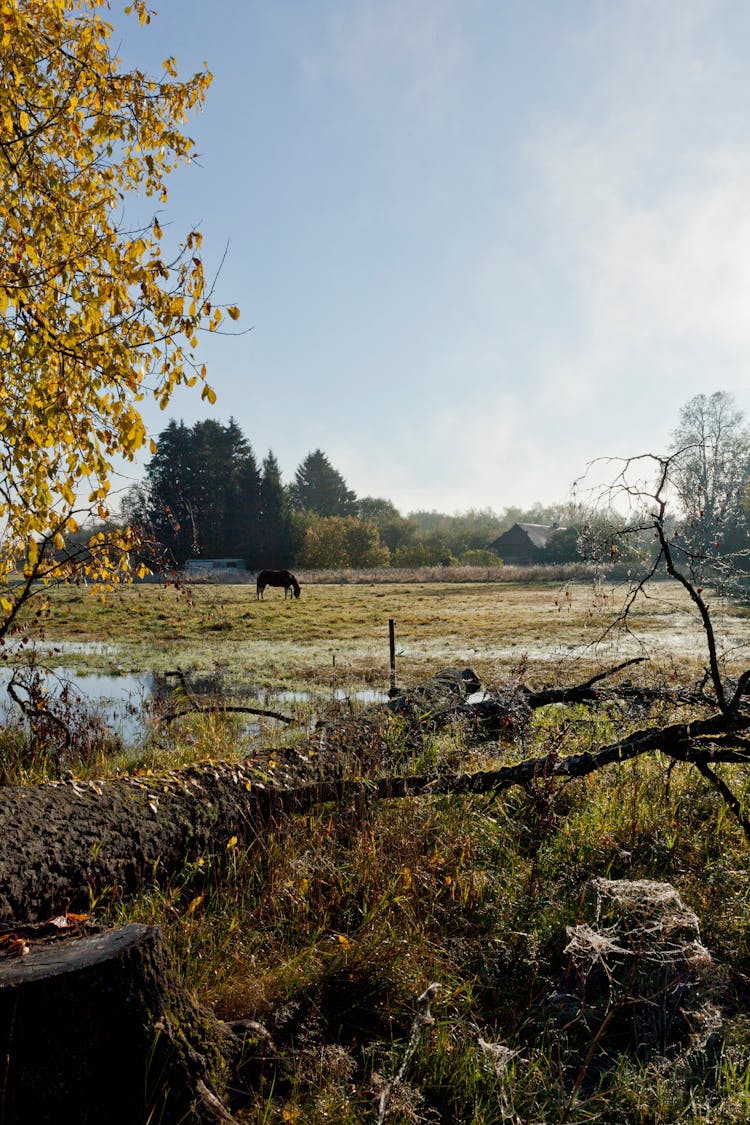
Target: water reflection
x=119, y=700
x=125, y=702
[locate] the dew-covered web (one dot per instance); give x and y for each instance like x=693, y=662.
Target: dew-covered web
x=638, y=917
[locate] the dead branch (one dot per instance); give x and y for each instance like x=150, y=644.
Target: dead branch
x=224, y=709
x=199, y=708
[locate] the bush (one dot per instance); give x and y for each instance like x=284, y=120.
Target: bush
x=478, y=557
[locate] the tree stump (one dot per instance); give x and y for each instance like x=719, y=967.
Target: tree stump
x=97, y=1029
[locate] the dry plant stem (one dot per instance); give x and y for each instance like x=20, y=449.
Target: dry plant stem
x=32, y=713
x=593, y=1046
x=421, y=1020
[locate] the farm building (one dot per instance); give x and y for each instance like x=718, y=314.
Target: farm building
x=522, y=543
x=214, y=567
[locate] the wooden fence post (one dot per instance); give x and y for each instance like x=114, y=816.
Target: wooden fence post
x=392, y=643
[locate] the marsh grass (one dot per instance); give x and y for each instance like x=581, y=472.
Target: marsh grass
x=331, y=925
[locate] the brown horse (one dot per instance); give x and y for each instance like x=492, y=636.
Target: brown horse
x=276, y=578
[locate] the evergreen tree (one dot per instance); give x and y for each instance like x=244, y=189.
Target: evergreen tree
x=170, y=508
x=202, y=493
x=318, y=487
x=243, y=517
x=275, y=543
x=229, y=489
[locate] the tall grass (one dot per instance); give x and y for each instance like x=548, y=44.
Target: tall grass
x=551, y=572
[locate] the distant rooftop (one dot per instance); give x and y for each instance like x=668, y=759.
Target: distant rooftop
x=540, y=533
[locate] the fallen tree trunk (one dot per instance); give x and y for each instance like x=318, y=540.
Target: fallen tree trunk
x=149, y=1052
x=68, y=843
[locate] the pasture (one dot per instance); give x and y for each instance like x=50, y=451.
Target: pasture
x=550, y=629
x=329, y=927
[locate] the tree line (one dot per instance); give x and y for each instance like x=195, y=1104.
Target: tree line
x=207, y=495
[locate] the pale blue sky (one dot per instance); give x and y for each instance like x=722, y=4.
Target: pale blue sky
x=479, y=242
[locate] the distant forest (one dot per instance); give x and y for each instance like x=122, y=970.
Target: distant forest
x=207, y=495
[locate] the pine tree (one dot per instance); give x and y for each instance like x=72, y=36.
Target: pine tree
x=275, y=540
x=171, y=494
x=318, y=487
x=203, y=490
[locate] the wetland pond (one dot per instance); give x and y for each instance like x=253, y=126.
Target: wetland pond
x=125, y=702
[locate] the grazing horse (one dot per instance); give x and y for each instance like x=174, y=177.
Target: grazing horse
x=276, y=578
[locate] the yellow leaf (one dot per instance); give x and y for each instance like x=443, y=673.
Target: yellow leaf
x=101, y=314
x=234, y=312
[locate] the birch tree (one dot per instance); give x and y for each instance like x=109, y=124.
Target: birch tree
x=95, y=313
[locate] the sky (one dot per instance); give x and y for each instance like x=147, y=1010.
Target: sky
x=476, y=244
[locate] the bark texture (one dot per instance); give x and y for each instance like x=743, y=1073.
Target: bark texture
x=66, y=844
x=97, y=1029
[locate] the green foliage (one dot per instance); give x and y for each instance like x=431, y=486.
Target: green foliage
x=394, y=530
x=431, y=549
x=479, y=558
x=342, y=541
x=278, y=539
x=563, y=546
x=205, y=496
x=319, y=488
x=202, y=492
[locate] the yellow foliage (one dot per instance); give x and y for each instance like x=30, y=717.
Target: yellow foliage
x=94, y=315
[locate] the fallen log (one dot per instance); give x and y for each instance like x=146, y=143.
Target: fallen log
x=66, y=844
x=142, y=1050
x=456, y=693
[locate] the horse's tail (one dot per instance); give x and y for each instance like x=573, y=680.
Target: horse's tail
x=295, y=585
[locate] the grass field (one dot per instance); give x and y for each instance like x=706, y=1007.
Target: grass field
x=330, y=926
x=554, y=627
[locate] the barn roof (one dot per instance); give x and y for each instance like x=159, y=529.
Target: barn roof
x=540, y=533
